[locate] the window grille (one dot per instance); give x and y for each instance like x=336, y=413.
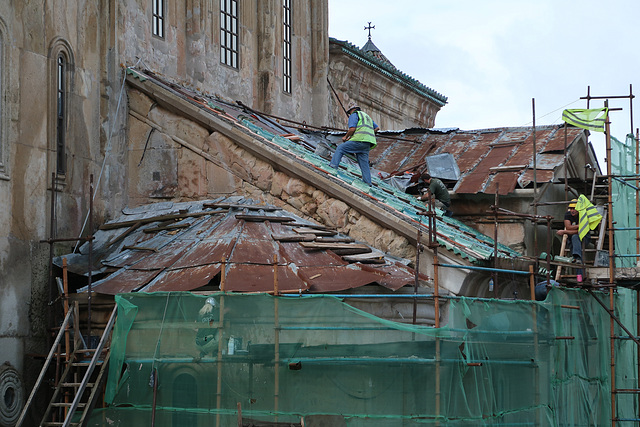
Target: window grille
x=229, y=32
x=158, y=18
x=286, y=46
x=61, y=98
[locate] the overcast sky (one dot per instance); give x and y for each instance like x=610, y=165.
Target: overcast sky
x=491, y=57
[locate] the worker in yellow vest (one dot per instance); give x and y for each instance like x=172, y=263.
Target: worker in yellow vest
x=571, y=229
x=359, y=140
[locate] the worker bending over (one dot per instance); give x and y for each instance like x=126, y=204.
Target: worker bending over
x=439, y=191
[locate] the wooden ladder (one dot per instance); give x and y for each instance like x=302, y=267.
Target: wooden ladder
x=76, y=392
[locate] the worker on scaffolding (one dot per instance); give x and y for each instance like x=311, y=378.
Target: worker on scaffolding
x=437, y=188
x=581, y=217
x=359, y=140
x=206, y=335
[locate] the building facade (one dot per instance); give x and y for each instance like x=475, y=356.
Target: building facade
x=64, y=120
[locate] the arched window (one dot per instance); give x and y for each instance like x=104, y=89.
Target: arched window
x=185, y=396
x=4, y=76
x=61, y=60
x=61, y=113
x=286, y=46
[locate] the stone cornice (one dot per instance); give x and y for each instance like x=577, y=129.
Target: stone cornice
x=389, y=71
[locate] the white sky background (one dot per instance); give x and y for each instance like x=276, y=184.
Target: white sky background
x=491, y=57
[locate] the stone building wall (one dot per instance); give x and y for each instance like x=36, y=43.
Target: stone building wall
x=392, y=105
x=190, y=52
x=97, y=38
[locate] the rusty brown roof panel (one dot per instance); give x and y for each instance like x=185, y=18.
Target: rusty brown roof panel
x=394, y=158
x=542, y=175
x=428, y=147
x=557, y=141
x=398, y=275
x=254, y=245
x=165, y=256
x=513, y=136
x=523, y=154
x=505, y=182
x=332, y=279
x=260, y=278
x=125, y=280
x=206, y=252
x=549, y=161
x=473, y=183
x=476, y=181
x=184, y=279
x=377, y=154
x=293, y=252
x=476, y=151
x=457, y=144
x=137, y=249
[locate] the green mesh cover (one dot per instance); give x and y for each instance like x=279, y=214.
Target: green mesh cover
x=495, y=363
x=623, y=196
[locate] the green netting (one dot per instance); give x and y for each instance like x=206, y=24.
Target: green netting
x=623, y=163
x=495, y=363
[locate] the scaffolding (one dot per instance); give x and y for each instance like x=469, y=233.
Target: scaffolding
x=235, y=359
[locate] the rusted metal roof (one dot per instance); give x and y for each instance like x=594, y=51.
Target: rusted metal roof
x=237, y=249
x=488, y=159
x=395, y=151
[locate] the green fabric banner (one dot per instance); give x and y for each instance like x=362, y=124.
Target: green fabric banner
x=591, y=119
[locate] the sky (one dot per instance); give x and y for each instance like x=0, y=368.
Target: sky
x=493, y=59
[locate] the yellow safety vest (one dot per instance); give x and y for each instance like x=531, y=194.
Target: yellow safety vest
x=364, y=130
x=588, y=214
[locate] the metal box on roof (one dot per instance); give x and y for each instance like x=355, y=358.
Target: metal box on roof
x=443, y=166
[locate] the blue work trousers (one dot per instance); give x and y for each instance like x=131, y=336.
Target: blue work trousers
x=361, y=151
x=576, y=247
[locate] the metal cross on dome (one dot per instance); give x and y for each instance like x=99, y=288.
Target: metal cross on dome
x=369, y=27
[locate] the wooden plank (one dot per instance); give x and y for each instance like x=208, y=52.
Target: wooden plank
x=165, y=228
x=159, y=218
x=320, y=245
x=562, y=249
x=334, y=239
x=294, y=237
x=258, y=218
x=239, y=206
x=603, y=228
x=313, y=226
x=352, y=251
x=367, y=258
x=314, y=231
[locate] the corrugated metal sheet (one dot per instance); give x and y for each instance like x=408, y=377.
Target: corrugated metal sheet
x=192, y=258
x=184, y=279
x=481, y=155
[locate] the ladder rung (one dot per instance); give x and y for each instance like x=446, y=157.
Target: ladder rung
x=99, y=362
x=74, y=385
x=56, y=423
x=68, y=405
x=90, y=350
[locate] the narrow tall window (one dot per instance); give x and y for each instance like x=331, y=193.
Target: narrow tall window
x=61, y=98
x=229, y=32
x=158, y=18
x=286, y=46
x=2, y=106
